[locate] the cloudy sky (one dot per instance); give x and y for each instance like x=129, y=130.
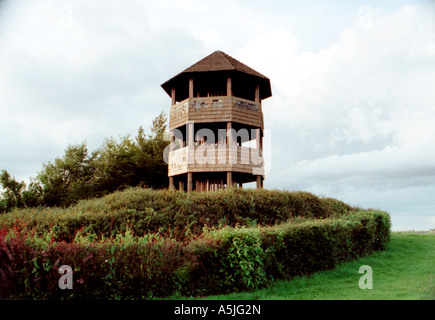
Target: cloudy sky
x=352, y=114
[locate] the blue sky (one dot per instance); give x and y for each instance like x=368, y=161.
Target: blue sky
x=351, y=114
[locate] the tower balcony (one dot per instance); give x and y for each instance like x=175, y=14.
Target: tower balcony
x=216, y=158
x=216, y=109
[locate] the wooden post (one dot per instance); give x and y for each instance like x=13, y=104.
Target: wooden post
x=190, y=134
x=171, y=140
x=191, y=88
x=258, y=139
x=181, y=185
x=171, y=183
x=257, y=93
x=189, y=182
x=261, y=141
x=173, y=96
x=229, y=87
x=230, y=138
x=229, y=179
x=259, y=182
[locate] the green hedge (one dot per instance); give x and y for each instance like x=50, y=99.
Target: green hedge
x=131, y=265
x=248, y=258
x=220, y=261
x=147, y=210
x=100, y=271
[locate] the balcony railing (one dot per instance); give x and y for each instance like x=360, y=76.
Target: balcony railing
x=210, y=157
x=219, y=101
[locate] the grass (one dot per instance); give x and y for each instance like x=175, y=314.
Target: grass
x=404, y=271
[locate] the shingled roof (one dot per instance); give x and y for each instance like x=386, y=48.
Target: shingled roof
x=220, y=61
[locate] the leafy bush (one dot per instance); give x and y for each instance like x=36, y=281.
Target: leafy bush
x=338, y=206
x=233, y=259
x=148, y=210
x=142, y=243
x=111, y=270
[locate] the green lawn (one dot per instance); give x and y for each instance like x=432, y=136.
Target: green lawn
x=406, y=270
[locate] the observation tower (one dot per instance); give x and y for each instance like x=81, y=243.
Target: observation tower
x=216, y=125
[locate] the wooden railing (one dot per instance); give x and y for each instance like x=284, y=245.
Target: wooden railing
x=219, y=101
x=212, y=158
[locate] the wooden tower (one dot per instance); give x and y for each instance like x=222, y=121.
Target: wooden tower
x=216, y=125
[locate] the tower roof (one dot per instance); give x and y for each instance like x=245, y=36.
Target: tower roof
x=220, y=61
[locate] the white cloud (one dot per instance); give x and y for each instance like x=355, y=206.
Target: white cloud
x=71, y=72
x=352, y=105
x=364, y=102
x=358, y=114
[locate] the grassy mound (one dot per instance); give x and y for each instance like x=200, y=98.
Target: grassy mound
x=146, y=211
x=142, y=243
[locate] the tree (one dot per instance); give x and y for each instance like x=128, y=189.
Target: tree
x=151, y=166
x=68, y=179
x=134, y=162
x=115, y=165
x=16, y=194
x=81, y=175
x=12, y=194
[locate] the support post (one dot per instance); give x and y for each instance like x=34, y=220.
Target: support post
x=259, y=182
x=191, y=88
x=171, y=140
x=229, y=179
x=189, y=182
x=257, y=93
x=258, y=138
x=171, y=183
x=230, y=138
x=190, y=133
x=229, y=87
x=173, y=96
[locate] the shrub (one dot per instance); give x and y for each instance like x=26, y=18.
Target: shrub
x=233, y=259
x=338, y=206
x=148, y=210
x=141, y=243
x=120, y=269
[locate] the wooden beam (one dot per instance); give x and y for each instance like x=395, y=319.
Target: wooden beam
x=189, y=182
x=259, y=182
x=258, y=138
x=229, y=179
x=173, y=96
x=171, y=183
x=191, y=88
x=190, y=133
x=171, y=140
x=257, y=93
x=230, y=137
x=229, y=87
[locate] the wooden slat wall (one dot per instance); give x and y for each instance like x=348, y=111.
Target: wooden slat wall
x=223, y=110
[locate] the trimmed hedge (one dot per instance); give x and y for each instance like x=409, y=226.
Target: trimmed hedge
x=100, y=271
x=219, y=261
x=248, y=258
x=147, y=210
